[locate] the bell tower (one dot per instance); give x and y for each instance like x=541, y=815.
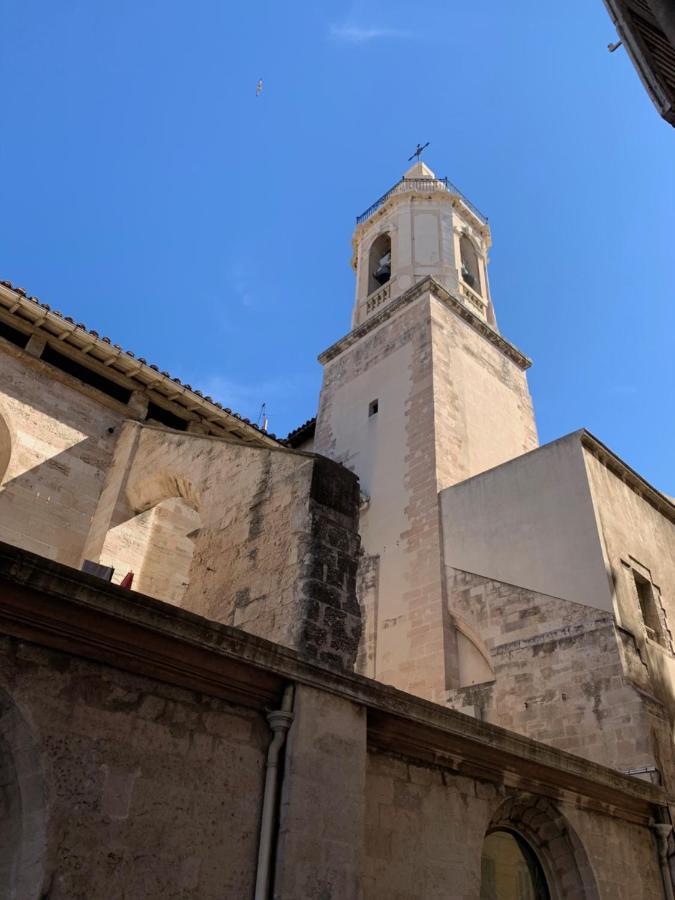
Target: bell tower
x=422, y=393
x=421, y=227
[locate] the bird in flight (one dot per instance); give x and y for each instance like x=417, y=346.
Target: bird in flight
x=259, y=87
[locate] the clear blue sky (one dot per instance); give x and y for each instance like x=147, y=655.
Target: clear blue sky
x=147, y=192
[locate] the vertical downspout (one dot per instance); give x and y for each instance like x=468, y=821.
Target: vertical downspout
x=662, y=832
x=279, y=721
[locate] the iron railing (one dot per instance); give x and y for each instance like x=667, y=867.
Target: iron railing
x=421, y=184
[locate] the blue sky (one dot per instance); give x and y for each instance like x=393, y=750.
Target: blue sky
x=147, y=192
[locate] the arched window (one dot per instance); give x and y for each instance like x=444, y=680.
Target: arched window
x=510, y=869
x=379, y=262
x=469, y=264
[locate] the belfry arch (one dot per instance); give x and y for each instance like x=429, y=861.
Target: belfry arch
x=470, y=264
x=379, y=262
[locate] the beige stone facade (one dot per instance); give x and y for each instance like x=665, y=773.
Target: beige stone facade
x=503, y=606
x=126, y=774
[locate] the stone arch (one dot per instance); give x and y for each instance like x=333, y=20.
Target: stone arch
x=23, y=807
x=552, y=839
x=470, y=264
x=5, y=446
x=145, y=492
x=379, y=262
x=475, y=664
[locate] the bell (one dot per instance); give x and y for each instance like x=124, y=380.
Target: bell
x=383, y=272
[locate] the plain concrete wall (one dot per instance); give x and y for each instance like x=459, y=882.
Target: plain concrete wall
x=530, y=522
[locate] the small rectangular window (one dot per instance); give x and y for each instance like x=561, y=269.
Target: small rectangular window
x=649, y=607
x=373, y=407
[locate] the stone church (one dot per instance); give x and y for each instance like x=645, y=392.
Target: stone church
x=404, y=653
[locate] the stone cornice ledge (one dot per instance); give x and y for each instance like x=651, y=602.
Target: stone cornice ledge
x=428, y=284
x=60, y=608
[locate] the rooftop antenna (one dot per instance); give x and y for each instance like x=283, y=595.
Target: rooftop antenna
x=418, y=151
x=262, y=418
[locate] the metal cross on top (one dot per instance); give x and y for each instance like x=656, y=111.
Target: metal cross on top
x=418, y=151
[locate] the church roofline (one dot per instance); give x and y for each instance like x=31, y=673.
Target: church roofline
x=660, y=501
x=427, y=284
x=622, y=470
x=38, y=317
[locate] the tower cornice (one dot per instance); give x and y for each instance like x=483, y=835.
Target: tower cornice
x=414, y=189
x=431, y=286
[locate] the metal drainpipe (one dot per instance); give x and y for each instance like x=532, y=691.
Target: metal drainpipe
x=279, y=721
x=662, y=832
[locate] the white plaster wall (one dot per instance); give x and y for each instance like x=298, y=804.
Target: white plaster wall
x=530, y=522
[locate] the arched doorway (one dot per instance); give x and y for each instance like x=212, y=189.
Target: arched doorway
x=510, y=869
x=531, y=852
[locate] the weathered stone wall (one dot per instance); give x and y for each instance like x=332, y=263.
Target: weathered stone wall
x=133, y=749
x=483, y=414
x=638, y=537
x=450, y=403
x=60, y=446
x=558, y=673
x=275, y=547
x=393, y=454
x=425, y=827
x=149, y=791
x=322, y=805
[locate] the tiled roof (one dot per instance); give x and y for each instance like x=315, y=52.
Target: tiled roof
x=301, y=434
x=120, y=360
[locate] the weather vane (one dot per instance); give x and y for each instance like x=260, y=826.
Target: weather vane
x=418, y=152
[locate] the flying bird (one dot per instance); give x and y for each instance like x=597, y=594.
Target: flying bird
x=259, y=87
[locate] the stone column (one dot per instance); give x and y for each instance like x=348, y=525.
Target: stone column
x=322, y=816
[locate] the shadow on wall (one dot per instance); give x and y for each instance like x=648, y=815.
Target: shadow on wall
x=158, y=546
x=55, y=447
x=49, y=507
x=23, y=811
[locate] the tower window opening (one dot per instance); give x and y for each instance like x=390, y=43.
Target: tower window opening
x=649, y=608
x=373, y=407
x=379, y=263
x=470, y=266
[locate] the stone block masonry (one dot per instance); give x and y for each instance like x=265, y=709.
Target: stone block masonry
x=132, y=749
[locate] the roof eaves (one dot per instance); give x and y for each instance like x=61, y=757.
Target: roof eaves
x=16, y=302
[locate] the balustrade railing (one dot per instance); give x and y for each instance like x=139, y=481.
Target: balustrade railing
x=421, y=184
x=377, y=298
x=473, y=297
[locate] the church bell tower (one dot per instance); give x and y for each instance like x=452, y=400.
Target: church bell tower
x=422, y=393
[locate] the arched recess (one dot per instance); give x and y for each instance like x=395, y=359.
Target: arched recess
x=470, y=265
x=23, y=808
x=540, y=829
x=5, y=447
x=474, y=661
x=155, y=538
x=379, y=262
